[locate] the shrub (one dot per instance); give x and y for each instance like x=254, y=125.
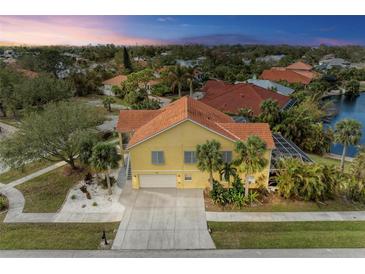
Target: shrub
x=95, y=204
x=310, y=182
x=73, y=197
x=104, y=184
x=219, y=194
x=160, y=89
x=3, y=203
x=232, y=196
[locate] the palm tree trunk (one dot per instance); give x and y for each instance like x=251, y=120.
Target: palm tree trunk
x=179, y=89
x=211, y=179
x=108, y=182
x=343, y=158
x=191, y=88
x=71, y=162
x=247, y=184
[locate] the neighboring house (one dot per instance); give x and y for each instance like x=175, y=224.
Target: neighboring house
x=270, y=58
x=230, y=98
x=162, y=146
x=186, y=63
x=108, y=85
x=326, y=64
x=267, y=84
x=298, y=72
x=9, y=54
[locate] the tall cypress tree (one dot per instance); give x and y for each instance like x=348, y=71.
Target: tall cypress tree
x=126, y=60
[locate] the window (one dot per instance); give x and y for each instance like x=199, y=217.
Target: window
x=188, y=177
x=158, y=158
x=189, y=157
x=227, y=156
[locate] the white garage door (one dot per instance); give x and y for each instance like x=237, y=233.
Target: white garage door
x=157, y=180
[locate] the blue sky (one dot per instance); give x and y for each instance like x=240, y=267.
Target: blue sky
x=78, y=30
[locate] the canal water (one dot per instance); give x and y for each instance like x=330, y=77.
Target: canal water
x=350, y=109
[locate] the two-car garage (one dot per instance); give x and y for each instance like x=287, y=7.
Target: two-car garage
x=157, y=180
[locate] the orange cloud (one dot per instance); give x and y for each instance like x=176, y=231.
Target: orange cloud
x=60, y=30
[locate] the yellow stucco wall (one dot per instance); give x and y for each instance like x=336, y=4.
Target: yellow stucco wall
x=183, y=137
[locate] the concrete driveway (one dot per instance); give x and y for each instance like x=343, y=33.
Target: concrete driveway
x=162, y=218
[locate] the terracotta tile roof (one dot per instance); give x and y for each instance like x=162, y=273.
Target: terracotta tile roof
x=285, y=75
x=232, y=97
x=181, y=110
x=300, y=66
x=115, y=81
x=244, y=130
x=130, y=120
x=306, y=73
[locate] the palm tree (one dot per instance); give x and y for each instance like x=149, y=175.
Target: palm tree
x=358, y=165
x=105, y=157
x=251, y=157
x=107, y=102
x=246, y=113
x=227, y=171
x=209, y=158
x=270, y=112
x=347, y=132
x=178, y=78
x=352, y=88
x=189, y=75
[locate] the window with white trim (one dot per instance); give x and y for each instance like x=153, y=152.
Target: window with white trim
x=227, y=156
x=189, y=157
x=158, y=157
x=188, y=177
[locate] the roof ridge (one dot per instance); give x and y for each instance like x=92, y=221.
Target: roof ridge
x=225, y=129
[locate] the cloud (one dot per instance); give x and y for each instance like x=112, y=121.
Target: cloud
x=165, y=19
x=333, y=42
x=60, y=30
x=217, y=39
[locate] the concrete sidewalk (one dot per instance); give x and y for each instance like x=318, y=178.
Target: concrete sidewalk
x=210, y=253
x=285, y=216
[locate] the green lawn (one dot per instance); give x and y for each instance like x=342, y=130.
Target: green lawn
x=14, y=174
x=328, y=161
x=288, y=235
x=301, y=206
x=47, y=192
x=54, y=236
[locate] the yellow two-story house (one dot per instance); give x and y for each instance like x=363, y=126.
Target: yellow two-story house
x=162, y=143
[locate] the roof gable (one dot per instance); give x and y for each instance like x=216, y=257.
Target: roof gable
x=300, y=66
x=149, y=123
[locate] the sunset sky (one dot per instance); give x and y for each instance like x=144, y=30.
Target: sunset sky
x=210, y=30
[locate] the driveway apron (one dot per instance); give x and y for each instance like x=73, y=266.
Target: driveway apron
x=163, y=218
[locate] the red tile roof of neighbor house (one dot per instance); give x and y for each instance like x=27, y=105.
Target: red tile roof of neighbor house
x=232, y=97
x=285, y=75
x=298, y=72
x=115, y=81
x=151, y=123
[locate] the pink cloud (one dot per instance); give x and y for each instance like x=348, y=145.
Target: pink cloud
x=58, y=30
x=333, y=42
